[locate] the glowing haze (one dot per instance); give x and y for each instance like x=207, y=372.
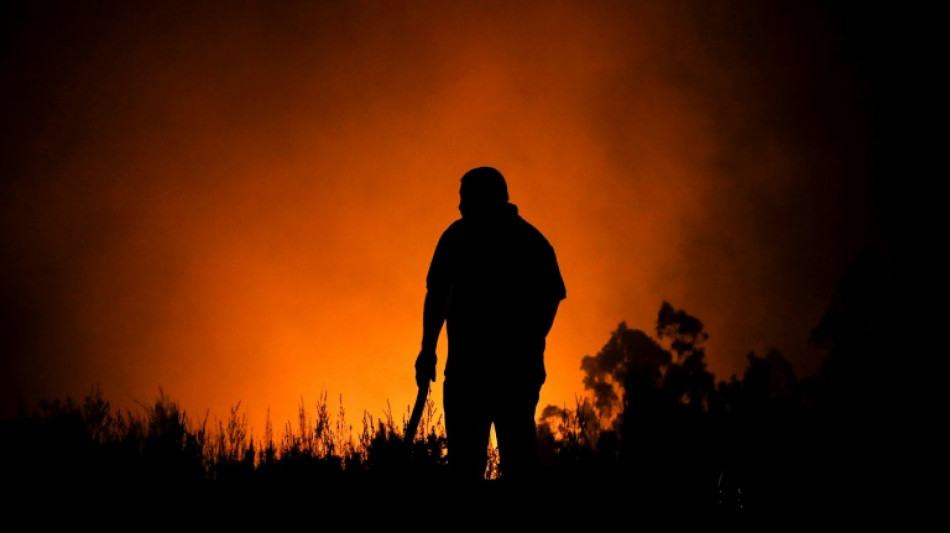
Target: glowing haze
x=239, y=201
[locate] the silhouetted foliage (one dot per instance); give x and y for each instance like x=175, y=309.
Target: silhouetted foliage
x=608, y=374
x=762, y=444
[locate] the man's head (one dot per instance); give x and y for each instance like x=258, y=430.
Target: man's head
x=482, y=187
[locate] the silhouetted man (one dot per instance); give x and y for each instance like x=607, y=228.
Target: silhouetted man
x=495, y=282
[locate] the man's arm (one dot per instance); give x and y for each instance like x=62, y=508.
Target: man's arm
x=433, y=317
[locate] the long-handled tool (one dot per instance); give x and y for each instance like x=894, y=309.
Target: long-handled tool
x=416, y=415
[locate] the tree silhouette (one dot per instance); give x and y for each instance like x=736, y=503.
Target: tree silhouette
x=688, y=378
x=655, y=400
x=630, y=363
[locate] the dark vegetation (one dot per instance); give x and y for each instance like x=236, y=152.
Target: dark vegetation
x=655, y=433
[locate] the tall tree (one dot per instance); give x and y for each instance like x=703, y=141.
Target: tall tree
x=630, y=359
x=688, y=380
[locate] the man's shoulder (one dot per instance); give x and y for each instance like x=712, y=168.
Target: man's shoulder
x=531, y=231
x=456, y=225
x=529, y=226
x=453, y=229
x=451, y=236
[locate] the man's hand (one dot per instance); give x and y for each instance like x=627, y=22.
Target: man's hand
x=425, y=367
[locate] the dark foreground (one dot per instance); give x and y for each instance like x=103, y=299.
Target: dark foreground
x=380, y=502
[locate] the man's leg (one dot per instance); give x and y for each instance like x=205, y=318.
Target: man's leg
x=467, y=430
x=517, y=433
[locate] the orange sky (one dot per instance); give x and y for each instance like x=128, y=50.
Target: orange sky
x=238, y=202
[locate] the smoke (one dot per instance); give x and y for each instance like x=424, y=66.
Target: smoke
x=239, y=202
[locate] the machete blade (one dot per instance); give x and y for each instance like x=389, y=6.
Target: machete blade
x=416, y=415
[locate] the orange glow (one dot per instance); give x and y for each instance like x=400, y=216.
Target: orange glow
x=241, y=204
